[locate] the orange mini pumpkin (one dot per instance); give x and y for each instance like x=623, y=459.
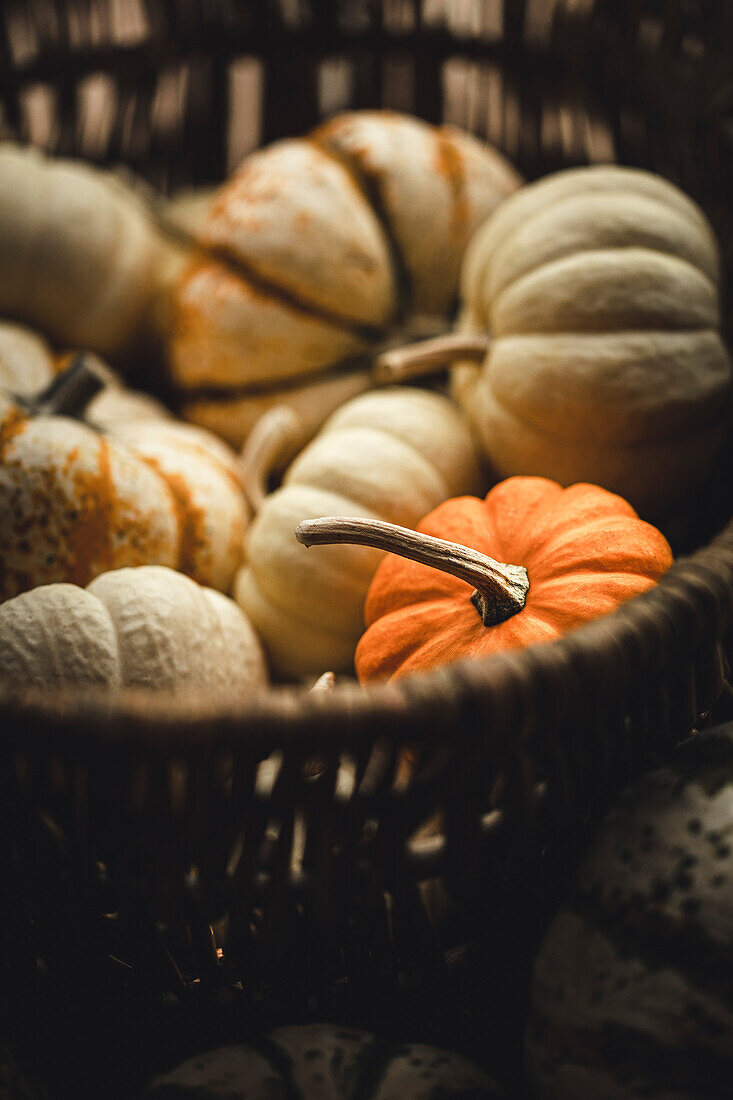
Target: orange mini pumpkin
x=576, y=554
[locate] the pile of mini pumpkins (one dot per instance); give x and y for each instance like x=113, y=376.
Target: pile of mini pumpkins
x=587, y=380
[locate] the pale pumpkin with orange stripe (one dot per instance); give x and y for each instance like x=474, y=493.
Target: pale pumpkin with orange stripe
x=317, y=246
x=573, y=554
x=92, y=481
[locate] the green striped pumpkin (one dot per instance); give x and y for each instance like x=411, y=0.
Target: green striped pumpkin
x=323, y=1062
x=633, y=986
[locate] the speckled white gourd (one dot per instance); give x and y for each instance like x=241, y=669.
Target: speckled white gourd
x=325, y=1062
x=632, y=991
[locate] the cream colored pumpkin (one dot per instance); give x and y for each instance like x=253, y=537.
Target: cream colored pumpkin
x=317, y=246
x=126, y=486
x=83, y=261
x=392, y=454
x=312, y=402
x=148, y=627
x=599, y=288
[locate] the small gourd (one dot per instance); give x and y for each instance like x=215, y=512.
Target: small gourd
x=318, y=246
x=83, y=259
x=320, y=1061
x=573, y=554
x=148, y=627
x=632, y=991
x=127, y=486
x=589, y=345
x=391, y=455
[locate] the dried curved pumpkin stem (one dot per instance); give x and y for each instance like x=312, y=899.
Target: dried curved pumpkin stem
x=401, y=364
x=500, y=589
x=275, y=432
x=69, y=393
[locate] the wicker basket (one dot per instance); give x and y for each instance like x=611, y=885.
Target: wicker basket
x=151, y=849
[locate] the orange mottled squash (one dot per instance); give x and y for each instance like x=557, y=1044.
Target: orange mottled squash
x=575, y=554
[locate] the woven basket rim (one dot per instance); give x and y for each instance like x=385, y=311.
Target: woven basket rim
x=283, y=712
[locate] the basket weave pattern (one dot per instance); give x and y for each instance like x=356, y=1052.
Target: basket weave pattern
x=165, y=840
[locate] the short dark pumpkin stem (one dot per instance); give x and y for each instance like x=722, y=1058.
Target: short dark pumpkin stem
x=70, y=391
x=500, y=590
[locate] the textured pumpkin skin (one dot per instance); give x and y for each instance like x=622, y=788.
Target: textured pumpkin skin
x=423, y=175
x=632, y=986
x=312, y=401
x=298, y=270
x=390, y=454
x=147, y=627
x=82, y=259
x=584, y=549
x=324, y=1062
x=76, y=501
x=600, y=289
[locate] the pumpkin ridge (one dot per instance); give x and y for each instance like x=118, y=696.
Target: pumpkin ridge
x=271, y=592
x=547, y=212
x=543, y=567
x=552, y=540
x=647, y=423
x=640, y=444
x=92, y=533
x=668, y=943
x=265, y=287
x=52, y=649
x=401, y=442
x=368, y=184
x=190, y=519
x=454, y=511
x=151, y=636
x=626, y=181
x=423, y=605
x=675, y=1068
x=267, y=387
x=280, y=1062
x=261, y=566
x=491, y=509
x=555, y=268
x=450, y=165
x=372, y=1063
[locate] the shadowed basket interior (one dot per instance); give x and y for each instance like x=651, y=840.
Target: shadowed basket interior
x=276, y=842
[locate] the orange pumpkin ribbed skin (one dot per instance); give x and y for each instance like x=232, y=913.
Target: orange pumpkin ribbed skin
x=585, y=550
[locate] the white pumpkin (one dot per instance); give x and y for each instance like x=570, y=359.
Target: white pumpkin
x=146, y=627
x=83, y=261
x=599, y=290
x=317, y=246
x=392, y=454
x=125, y=486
